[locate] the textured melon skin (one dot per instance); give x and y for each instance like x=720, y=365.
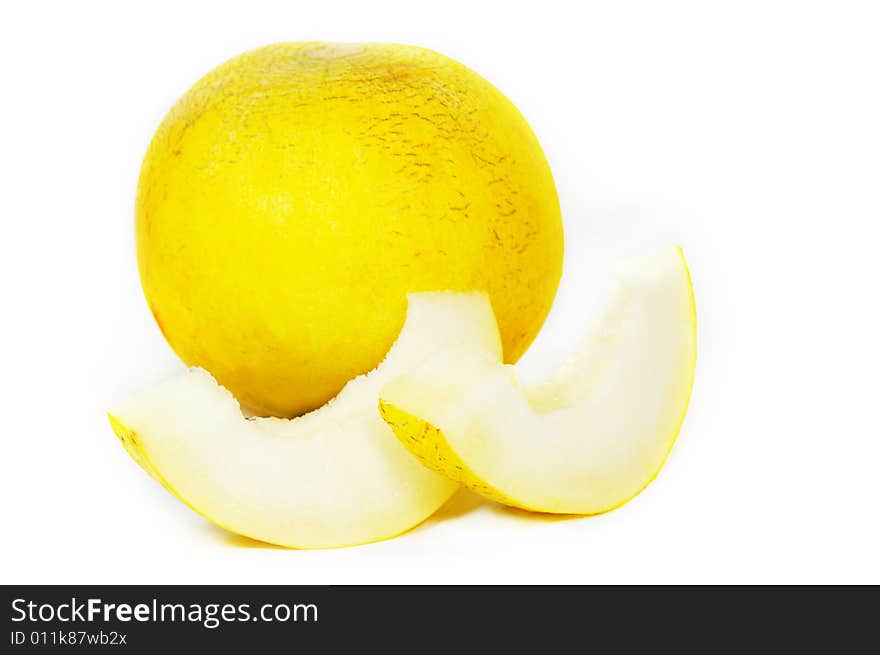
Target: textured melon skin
x=294, y=195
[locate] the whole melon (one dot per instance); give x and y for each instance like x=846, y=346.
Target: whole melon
x=292, y=197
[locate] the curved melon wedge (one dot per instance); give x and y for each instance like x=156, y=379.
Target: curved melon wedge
x=333, y=477
x=586, y=441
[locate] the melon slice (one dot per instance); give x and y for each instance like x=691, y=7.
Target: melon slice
x=333, y=477
x=587, y=440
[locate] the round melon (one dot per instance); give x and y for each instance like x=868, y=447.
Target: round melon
x=294, y=196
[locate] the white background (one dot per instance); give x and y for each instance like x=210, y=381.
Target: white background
x=747, y=131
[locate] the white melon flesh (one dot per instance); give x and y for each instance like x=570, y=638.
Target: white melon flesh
x=333, y=477
x=584, y=442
